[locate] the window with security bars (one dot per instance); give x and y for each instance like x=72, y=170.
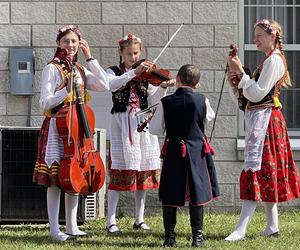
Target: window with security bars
x=287, y=13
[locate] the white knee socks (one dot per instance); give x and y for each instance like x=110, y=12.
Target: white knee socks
x=246, y=215
x=53, y=200
x=112, y=202
x=140, y=197
x=71, y=206
x=271, y=211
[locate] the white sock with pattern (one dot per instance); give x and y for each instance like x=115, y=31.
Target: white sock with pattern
x=71, y=207
x=112, y=202
x=271, y=211
x=140, y=199
x=53, y=202
x=247, y=212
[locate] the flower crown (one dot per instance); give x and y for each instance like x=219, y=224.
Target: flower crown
x=65, y=28
x=130, y=37
x=266, y=25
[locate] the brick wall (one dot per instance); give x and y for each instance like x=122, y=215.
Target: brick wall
x=210, y=26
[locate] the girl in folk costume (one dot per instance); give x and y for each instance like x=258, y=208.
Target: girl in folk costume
x=270, y=174
x=188, y=172
x=135, y=163
x=55, y=92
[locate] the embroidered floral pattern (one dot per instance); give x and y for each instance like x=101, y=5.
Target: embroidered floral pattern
x=69, y=27
x=278, y=179
x=266, y=25
x=131, y=180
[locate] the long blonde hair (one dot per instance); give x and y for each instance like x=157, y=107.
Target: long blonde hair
x=279, y=44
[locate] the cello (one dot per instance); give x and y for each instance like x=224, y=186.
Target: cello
x=82, y=170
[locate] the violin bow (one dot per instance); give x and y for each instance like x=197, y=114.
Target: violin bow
x=233, y=52
x=172, y=37
x=146, y=110
x=219, y=101
x=154, y=61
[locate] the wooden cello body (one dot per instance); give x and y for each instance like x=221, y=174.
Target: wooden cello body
x=81, y=168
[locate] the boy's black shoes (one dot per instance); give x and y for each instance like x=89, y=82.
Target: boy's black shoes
x=198, y=239
x=169, y=242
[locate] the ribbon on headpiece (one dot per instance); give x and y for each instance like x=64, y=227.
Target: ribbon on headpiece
x=266, y=25
x=62, y=31
x=130, y=37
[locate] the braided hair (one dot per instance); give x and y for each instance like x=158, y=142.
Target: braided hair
x=279, y=44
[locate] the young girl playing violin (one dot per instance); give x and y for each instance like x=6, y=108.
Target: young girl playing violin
x=135, y=163
x=55, y=93
x=270, y=174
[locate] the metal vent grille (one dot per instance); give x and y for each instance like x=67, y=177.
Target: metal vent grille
x=21, y=199
x=90, y=207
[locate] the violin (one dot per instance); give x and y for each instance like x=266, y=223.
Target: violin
x=81, y=168
x=154, y=76
x=144, y=124
x=242, y=101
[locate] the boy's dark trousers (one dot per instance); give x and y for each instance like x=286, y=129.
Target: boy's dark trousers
x=196, y=220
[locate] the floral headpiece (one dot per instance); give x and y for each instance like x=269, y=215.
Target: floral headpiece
x=266, y=25
x=130, y=37
x=61, y=31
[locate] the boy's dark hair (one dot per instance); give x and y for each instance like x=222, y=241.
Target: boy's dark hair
x=189, y=75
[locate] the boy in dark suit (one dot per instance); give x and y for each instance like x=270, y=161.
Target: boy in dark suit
x=188, y=172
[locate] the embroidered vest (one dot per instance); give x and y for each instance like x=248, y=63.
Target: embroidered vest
x=65, y=79
x=272, y=98
x=120, y=98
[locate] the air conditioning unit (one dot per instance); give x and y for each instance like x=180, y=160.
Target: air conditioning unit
x=21, y=200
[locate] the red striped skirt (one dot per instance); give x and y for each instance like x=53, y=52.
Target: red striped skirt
x=278, y=179
x=42, y=174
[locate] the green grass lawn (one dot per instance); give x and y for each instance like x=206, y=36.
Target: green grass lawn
x=217, y=227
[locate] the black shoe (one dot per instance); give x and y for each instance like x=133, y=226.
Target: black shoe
x=198, y=240
x=108, y=229
x=141, y=226
x=169, y=242
x=276, y=235
x=78, y=235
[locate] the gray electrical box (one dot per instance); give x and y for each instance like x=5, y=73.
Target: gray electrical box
x=21, y=67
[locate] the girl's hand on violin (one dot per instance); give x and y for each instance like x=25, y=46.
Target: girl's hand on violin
x=143, y=67
x=169, y=83
x=235, y=64
x=233, y=79
x=85, y=48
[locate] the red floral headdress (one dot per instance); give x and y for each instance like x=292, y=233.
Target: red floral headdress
x=62, y=30
x=130, y=37
x=266, y=25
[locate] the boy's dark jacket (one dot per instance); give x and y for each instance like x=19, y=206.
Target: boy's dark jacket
x=194, y=175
